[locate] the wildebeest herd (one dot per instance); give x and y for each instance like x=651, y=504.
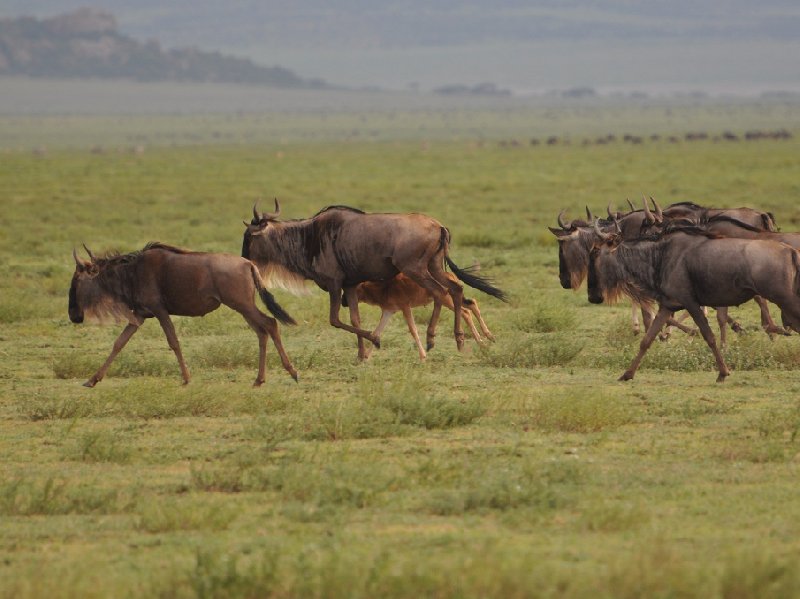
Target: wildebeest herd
x=397, y=261
x=684, y=257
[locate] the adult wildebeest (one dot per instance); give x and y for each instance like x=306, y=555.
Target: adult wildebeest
x=687, y=267
x=400, y=294
x=340, y=247
x=160, y=280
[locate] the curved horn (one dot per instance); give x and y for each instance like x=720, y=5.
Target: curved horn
x=659, y=213
x=75, y=255
x=256, y=215
x=600, y=234
x=589, y=214
x=273, y=215
x=88, y=251
x=648, y=215
x=560, y=220
x=630, y=204
x=610, y=213
x=616, y=226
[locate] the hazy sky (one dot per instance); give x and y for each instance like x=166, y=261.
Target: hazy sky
x=716, y=45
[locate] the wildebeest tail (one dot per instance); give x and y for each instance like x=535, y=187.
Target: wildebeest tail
x=467, y=275
x=269, y=300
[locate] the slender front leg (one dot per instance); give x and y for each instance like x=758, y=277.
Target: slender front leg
x=663, y=315
x=386, y=315
x=430, y=335
x=355, y=318
x=412, y=328
x=121, y=341
x=172, y=339
x=335, y=295
x=722, y=323
x=635, y=318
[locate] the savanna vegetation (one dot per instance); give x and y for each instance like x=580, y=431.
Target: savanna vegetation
x=523, y=469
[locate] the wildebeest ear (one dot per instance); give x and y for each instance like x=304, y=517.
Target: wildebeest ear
x=559, y=232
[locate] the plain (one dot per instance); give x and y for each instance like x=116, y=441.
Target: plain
x=523, y=469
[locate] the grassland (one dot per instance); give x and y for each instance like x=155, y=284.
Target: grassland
x=519, y=470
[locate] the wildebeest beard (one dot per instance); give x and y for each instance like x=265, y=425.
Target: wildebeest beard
x=112, y=293
x=632, y=269
x=573, y=258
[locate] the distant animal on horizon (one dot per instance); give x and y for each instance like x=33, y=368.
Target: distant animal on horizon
x=162, y=280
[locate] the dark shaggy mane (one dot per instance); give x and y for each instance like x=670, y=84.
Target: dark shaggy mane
x=724, y=218
x=340, y=207
x=157, y=245
x=691, y=205
x=114, y=258
x=680, y=226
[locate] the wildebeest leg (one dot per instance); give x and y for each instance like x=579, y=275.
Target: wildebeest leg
x=438, y=291
x=456, y=292
x=722, y=322
x=472, y=306
x=635, y=317
x=121, y=341
x=335, y=294
x=466, y=315
x=386, y=315
x=662, y=317
x=355, y=318
x=172, y=339
x=705, y=330
x=412, y=328
x=264, y=325
x=431, y=333
x=767, y=323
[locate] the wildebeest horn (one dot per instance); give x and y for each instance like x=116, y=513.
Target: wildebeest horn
x=273, y=215
x=608, y=209
x=648, y=215
x=256, y=215
x=659, y=213
x=589, y=214
x=560, y=220
x=616, y=225
x=88, y=251
x=75, y=255
x=600, y=234
x=630, y=204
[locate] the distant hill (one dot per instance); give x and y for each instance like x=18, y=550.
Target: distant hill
x=86, y=43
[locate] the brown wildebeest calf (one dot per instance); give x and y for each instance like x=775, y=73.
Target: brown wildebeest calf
x=401, y=293
x=161, y=280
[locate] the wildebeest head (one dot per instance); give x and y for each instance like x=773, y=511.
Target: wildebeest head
x=85, y=271
x=603, y=242
x=258, y=226
x=572, y=251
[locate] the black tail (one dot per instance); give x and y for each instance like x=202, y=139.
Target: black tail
x=469, y=277
x=269, y=300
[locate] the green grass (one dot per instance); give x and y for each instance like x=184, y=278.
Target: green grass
x=516, y=470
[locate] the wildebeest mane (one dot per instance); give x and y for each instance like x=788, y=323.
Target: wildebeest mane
x=339, y=207
x=724, y=218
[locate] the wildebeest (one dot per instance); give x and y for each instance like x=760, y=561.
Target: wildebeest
x=162, y=280
x=400, y=294
x=687, y=267
x=340, y=247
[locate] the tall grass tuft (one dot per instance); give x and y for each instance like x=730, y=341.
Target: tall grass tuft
x=51, y=496
x=580, y=411
x=530, y=351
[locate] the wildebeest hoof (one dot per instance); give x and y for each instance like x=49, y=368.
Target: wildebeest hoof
x=90, y=383
x=626, y=376
x=376, y=341
x=429, y=346
x=721, y=377
x=295, y=377
x=258, y=382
